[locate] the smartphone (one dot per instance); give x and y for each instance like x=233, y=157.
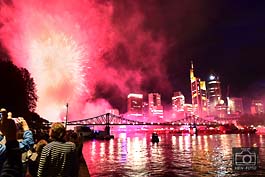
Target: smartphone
x=0, y=116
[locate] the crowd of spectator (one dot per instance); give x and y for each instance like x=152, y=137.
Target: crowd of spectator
x=37, y=153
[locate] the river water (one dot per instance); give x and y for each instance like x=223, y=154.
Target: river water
x=133, y=154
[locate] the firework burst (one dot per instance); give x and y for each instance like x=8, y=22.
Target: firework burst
x=81, y=52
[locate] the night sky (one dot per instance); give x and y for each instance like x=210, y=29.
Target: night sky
x=224, y=37
x=140, y=46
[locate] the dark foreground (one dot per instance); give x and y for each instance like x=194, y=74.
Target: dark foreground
x=83, y=171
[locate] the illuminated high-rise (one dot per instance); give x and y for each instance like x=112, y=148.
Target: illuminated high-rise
x=178, y=101
x=135, y=104
x=198, y=94
x=155, y=106
x=257, y=107
x=188, y=109
x=213, y=94
x=235, y=105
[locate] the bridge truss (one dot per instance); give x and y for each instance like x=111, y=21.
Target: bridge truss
x=111, y=119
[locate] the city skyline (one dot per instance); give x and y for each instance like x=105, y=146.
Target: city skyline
x=207, y=100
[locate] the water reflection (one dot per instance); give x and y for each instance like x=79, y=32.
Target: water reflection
x=203, y=155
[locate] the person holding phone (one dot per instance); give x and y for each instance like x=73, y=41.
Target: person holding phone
x=24, y=145
x=12, y=165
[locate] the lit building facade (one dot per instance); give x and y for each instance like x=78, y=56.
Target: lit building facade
x=221, y=109
x=257, y=107
x=188, y=109
x=198, y=94
x=214, y=94
x=155, y=106
x=178, y=101
x=145, y=109
x=135, y=104
x=235, y=105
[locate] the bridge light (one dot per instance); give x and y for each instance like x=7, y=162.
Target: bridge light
x=172, y=123
x=180, y=123
x=94, y=123
x=152, y=123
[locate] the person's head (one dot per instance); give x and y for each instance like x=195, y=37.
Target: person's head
x=57, y=131
x=9, y=115
x=74, y=137
x=4, y=113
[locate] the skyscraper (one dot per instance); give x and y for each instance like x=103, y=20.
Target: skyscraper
x=178, y=101
x=135, y=104
x=213, y=93
x=235, y=105
x=257, y=107
x=155, y=106
x=198, y=94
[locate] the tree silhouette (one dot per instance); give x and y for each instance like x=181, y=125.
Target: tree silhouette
x=17, y=87
x=30, y=89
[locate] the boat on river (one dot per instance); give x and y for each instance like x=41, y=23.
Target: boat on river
x=155, y=138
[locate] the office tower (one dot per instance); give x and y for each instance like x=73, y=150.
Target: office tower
x=178, y=101
x=135, y=104
x=220, y=109
x=213, y=94
x=145, y=109
x=155, y=106
x=198, y=94
x=257, y=107
x=188, y=109
x=235, y=105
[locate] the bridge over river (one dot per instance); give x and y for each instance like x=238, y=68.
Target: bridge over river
x=111, y=119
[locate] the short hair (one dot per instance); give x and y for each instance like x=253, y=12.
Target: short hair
x=57, y=131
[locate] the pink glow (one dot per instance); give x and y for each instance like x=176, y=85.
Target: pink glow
x=71, y=46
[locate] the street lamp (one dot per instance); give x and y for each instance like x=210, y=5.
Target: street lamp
x=66, y=116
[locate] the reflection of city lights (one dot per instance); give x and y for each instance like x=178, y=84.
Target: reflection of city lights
x=102, y=149
x=122, y=136
x=174, y=140
x=180, y=143
x=93, y=149
x=111, y=150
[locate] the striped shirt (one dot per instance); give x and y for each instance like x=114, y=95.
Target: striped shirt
x=57, y=160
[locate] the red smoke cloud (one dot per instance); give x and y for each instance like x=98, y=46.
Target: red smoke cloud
x=83, y=52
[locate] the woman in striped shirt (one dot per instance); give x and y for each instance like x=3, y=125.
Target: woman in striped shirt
x=58, y=158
